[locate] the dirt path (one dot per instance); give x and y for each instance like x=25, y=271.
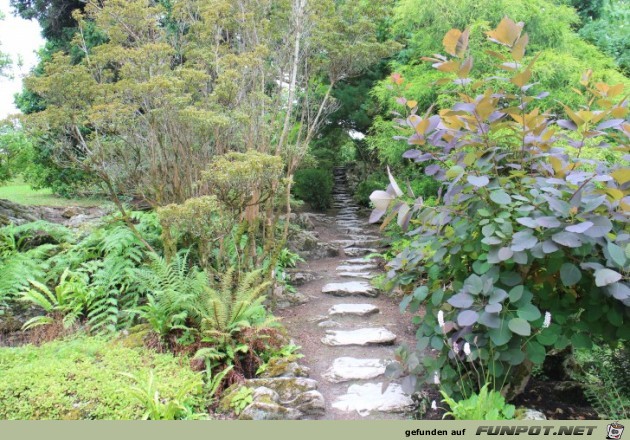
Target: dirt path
x=347, y=323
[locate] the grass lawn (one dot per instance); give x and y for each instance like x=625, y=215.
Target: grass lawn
x=18, y=191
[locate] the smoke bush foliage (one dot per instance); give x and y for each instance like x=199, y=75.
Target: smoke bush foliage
x=523, y=225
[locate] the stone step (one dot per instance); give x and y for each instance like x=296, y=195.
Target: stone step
x=364, y=275
x=362, y=336
x=353, y=309
x=356, y=267
x=364, y=237
x=350, y=223
x=349, y=288
x=368, y=397
x=354, y=230
x=360, y=260
x=357, y=252
x=344, y=369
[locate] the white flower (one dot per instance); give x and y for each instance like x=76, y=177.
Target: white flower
x=467, y=349
x=441, y=318
x=434, y=405
x=455, y=348
x=436, y=378
x=547, y=321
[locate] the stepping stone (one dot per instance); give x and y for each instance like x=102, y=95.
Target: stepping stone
x=350, y=288
x=357, y=252
x=344, y=242
x=363, y=336
x=356, y=267
x=329, y=324
x=364, y=237
x=354, y=230
x=367, y=398
x=361, y=260
x=349, y=223
x=364, y=275
x=353, y=309
x=347, y=368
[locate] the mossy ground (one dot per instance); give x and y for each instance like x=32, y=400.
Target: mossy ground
x=79, y=378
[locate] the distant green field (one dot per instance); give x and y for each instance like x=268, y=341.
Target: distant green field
x=20, y=192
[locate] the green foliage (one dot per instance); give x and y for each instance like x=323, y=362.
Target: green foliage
x=366, y=187
x=78, y=379
x=101, y=282
x=171, y=288
x=68, y=303
x=608, y=29
x=563, y=56
x=241, y=398
x=198, y=221
x=146, y=393
x=485, y=405
x=605, y=375
x=241, y=180
x=522, y=228
x=314, y=186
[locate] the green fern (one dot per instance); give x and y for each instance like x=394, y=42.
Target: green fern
x=69, y=300
x=171, y=289
x=606, y=379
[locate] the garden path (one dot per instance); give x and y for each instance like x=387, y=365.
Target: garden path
x=348, y=330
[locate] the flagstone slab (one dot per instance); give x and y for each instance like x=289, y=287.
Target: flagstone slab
x=344, y=369
x=362, y=336
x=356, y=267
x=350, y=288
x=353, y=309
x=368, y=397
x=363, y=275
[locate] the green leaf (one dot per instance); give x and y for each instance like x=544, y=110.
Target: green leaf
x=604, y=277
x=549, y=336
x=617, y=254
x=520, y=326
x=500, y=336
x=454, y=171
x=529, y=312
x=436, y=297
x=420, y=293
x=570, y=274
x=481, y=267
x=516, y=293
x=405, y=303
x=500, y=197
x=474, y=284
x=581, y=340
x=536, y=352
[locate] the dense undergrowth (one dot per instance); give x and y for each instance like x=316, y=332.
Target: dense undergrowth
x=525, y=251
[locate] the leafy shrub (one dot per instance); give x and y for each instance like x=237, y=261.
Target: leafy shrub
x=521, y=226
x=485, y=405
x=605, y=375
x=79, y=379
x=314, y=186
x=371, y=183
x=156, y=407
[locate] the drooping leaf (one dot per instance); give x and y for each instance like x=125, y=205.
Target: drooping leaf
x=604, y=277
x=500, y=197
x=520, y=327
x=568, y=239
x=467, y=317
x=579, y=228
x=381, y=200
x=461, y=300
x=570, y=274
x=478, y=181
